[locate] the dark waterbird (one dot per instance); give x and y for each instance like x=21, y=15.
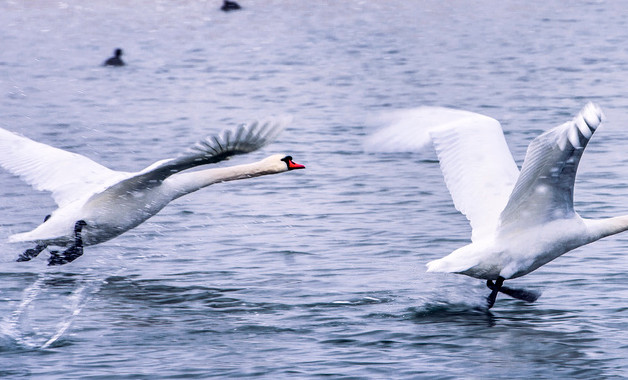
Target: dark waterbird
x=228, y=5
x=115, y=60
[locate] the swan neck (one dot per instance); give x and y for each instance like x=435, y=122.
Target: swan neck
x=192, y=181
x=233, y=173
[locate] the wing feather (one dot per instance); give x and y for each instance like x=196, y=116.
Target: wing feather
x=544, y=190
x=478, y=168
x=245, y=138
x=475, y=160
x=65, y=174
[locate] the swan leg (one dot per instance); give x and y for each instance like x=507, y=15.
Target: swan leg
x=31, y=253
x=74, y=252
x=69, y=255
x=495, y=289
x=56, y=259
x=520, y=294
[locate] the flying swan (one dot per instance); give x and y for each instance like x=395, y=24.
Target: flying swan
x=97, y=204
x=519, y=220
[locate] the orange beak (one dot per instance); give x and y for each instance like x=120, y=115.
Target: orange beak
x=293, y=165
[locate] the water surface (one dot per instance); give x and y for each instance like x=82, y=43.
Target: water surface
x=314, y=273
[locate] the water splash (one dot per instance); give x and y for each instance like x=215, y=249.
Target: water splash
x=16, y=325
x=10, y=324
x=78, y=302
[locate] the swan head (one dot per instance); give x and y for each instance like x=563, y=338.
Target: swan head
x=278, y=163
x=291, y=164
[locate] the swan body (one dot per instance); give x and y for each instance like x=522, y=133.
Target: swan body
x=529, y=218
x=111, y=202
x=520, y=220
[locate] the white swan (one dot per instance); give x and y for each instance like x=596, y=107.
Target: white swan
x=520, y=220
x=97, y=204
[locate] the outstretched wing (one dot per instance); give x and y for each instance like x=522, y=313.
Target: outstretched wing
x=477, y=165
x=67, y=175
x=544, y=190
x=245, y=138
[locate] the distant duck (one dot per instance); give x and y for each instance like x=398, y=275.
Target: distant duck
x=230, y=6
x=97, y=204
x=115, y=60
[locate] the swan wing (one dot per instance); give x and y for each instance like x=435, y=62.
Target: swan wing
x=477, y=165
x=65, y=174
x=405, y=130
x=245, y=138
x=544, y=189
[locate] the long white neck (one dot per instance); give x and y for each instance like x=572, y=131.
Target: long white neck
x=187, y=182
x=599, y=228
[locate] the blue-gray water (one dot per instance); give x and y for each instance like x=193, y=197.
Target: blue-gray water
x=316, y=273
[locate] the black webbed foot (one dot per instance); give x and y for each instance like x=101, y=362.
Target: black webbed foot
x=31, y=253
x=520, y=294
x=56, y=259
x=74, y=252
x=67, y=256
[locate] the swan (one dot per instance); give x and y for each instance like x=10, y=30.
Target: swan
x=519, y=220
x=96, y=204
x=115, y=60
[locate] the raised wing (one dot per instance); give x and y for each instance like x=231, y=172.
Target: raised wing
x=245, y=138
x=405, y=131
x=479, y=170
x=477, y=165
x=67, y=175
x=544, y=190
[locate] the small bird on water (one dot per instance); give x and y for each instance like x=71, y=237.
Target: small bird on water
x=228, y=5
x=115, y=60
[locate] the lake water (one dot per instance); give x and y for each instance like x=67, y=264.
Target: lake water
x=318, y=273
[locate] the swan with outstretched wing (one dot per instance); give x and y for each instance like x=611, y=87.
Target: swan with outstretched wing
x=520, y=220
x=97, y=204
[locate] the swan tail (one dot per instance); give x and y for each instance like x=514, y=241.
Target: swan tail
x=19, y=238
x=447, y=266
x=463, y=260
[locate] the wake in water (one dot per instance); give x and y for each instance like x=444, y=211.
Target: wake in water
x=56, y=298
x=10, y=324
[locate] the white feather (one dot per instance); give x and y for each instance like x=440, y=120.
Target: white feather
x=477, y=165
x=478, y=168
x=67, y=175
x=520, y=221
x=112, y=202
